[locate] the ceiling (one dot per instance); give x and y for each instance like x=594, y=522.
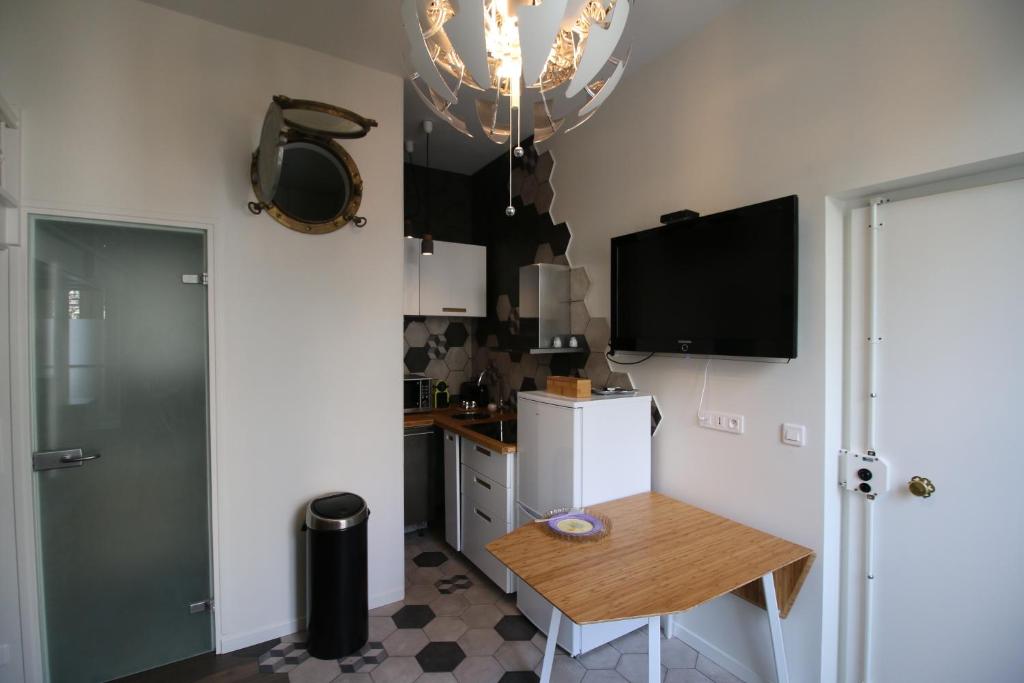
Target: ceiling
x=369, y=32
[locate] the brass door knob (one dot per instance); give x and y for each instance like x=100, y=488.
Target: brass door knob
x=921, y=487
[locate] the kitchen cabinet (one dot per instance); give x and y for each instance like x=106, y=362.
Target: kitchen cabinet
x=452, y=282
x=487, y=479
x=452, y=491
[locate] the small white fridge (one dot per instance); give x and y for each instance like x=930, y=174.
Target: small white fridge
x=574, y=453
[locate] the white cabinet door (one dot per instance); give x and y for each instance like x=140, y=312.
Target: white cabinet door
x=452, y=488
x=411, y=304
x=453, y=281
x=547, y=464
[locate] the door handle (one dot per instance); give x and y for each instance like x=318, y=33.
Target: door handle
x=56, y=460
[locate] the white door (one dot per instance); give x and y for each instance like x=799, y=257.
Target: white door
x=949, y=595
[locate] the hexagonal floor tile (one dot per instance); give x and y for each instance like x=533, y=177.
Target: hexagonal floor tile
x=481, y=616
x=445, y=628
x=604, y=676
x=405, y=642
x=420, y=593
x=686, y=676
x=430, y=559
x=454, y=584
x=519, y=677
x=449, y=605
x=480, y=641
x=366, y=659
x=440, y=657
x=397, y=670
x=515, y=628
x=633, y=667
x=675, y=654
x=565, y=670
x=603, y=657
x=413, y=616
x=315, y=670
x=381, y=628
x=634, y=642
x=456, y=334
x=518, y=656
x=478, y=670
x=482, y=593
x=715, y=672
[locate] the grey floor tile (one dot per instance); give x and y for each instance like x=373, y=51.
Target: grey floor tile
x=565, y=670
x=633, y=668
x=603, y=657
x=386, y=610
x=482, y=616
x=714, y=671
x=353, y=678
x=436, y=678
x=633, y=642
x=478, y=670
x=405, y=642
x=381, y=628
x=480, y=641
x=421, y=594
x=450, y=605
x=315, y=670
x=604, y=676
x=686, y=676
x=445, y=629
x=397, y=670
x=675, y=654
x=518, y=656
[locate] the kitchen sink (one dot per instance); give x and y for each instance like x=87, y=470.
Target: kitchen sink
x=471, y=416
x=504, y=431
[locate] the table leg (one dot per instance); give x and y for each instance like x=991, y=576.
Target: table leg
x=549, y=649
x=654, y=649
x=775, y=623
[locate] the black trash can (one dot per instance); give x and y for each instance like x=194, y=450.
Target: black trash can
x=336, y=575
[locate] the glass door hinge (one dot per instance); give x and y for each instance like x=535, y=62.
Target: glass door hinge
x=195, y=279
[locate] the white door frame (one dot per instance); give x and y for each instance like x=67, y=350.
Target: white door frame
x=990, y=172
x=21, y=424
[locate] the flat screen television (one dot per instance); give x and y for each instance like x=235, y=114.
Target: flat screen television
x=721, y=285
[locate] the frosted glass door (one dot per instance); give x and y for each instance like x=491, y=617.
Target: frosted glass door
x=119, y=370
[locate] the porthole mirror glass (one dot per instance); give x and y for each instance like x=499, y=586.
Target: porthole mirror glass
x=302, y=177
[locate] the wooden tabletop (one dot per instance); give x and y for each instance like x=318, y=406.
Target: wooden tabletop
x=443, y=418
x=662, y=556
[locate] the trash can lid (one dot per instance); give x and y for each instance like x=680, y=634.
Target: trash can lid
x=336, y=511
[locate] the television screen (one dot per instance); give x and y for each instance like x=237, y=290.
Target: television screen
x=723, y=284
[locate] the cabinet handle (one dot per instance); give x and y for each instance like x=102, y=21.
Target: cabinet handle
x=453, y=309
x=481, y=449
x=482, y=483
x=477, y=511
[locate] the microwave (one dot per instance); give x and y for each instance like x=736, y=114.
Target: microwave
x=417, y=389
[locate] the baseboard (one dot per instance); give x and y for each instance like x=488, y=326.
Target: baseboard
x=714, y=653
x=286, y=628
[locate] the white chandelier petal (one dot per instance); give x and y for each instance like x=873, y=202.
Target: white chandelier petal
x=538, y=28
x=598, y=48
x=419, y=53
x=606, y=89
x=466, y=32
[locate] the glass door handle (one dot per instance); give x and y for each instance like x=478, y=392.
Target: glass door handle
x=55, y=460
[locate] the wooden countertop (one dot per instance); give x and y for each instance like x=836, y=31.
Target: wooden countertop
x=662, y=556
x=443, y=418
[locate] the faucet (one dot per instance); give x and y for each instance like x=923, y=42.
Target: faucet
x=491, y=374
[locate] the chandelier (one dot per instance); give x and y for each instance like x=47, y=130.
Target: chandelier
x=508, y=69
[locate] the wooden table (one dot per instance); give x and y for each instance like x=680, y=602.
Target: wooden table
x=662, y=556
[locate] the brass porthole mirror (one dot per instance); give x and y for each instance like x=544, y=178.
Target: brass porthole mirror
x=302, y=177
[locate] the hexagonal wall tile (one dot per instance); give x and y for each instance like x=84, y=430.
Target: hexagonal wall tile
x=545, y=198
x=416, y=359
x=655, y=416
x=456, y=358
x=437, y=346
x=544, y=166
x=619, y=379
x=597, y=334
x=544, y=254
x=456, y=334
x=528, y=192
x=436, y=325
x=560, y=237
x=416, y=334
x=597, y=369
x=517, y=180
x=502, y=307
x=578, y=317
x=579, y=283
x=436, y=369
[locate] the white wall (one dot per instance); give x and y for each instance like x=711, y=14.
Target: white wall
x=800, y=96
x=133, y=109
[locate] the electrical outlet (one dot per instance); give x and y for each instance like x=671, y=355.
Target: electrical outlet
x=723, y=422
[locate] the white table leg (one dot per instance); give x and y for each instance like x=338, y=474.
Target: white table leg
x=654, y=650
x=775, y=623
x=549, y=649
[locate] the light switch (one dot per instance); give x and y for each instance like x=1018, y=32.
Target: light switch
x=794, y=435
